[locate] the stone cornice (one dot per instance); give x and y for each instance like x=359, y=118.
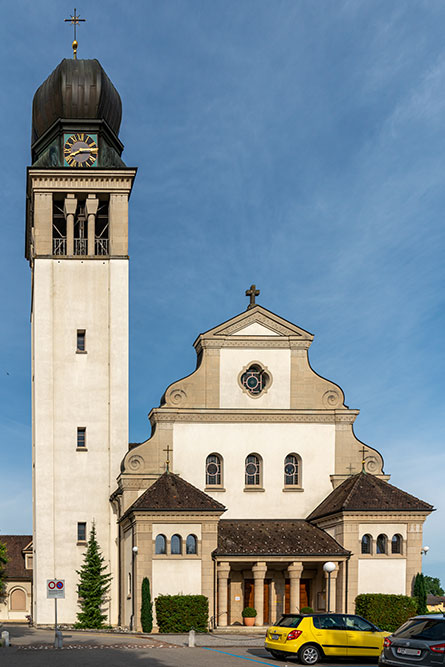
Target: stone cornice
x=117, y=181
x=252, y=342
x=159, y=415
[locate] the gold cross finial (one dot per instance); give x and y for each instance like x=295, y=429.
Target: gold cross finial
x=75, y=20
x=363, y=452
x=167, y=460
x=252, y=292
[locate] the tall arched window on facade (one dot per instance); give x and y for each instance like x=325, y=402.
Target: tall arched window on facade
x=160, y=545
x=191, y=544
x=366, y=544
x=214, y=470
x=175, y=545
x=253, y=470
x=292, y=470
x=381, y=544
x=396, y=544
x=17, y=600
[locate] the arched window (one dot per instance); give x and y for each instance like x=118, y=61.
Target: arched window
x=214, y=470
x=366, y=544
x=160, y=545
x=292, y=470
x=190, y=544
x=396, y=544
x=253, y=470
x=17, y=600
x=254, y=380
x=175, y=545
x=381, y=544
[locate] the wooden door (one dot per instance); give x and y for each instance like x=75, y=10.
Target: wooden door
x=249, y=592
x=249, y=597
x=266, y=604
x=304, y=594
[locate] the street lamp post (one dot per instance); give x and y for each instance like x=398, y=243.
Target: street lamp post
x=329, y=567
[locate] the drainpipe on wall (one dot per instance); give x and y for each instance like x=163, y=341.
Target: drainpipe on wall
x=346, y=583
x=214, y=592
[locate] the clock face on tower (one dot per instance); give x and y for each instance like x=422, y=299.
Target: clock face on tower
x=80, y=150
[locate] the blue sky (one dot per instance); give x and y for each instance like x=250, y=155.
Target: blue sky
x=297, y=144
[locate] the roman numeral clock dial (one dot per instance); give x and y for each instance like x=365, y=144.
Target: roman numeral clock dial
x=80, y=150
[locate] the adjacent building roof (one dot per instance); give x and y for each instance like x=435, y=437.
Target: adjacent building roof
x=171, y=493
x=270, y=537
x=15, y=544
x=364, y=492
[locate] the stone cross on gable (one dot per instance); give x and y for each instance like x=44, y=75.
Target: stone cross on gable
x=252, y=292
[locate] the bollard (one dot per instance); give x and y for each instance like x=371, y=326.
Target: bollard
x=58, y=641
x=5, y=639
x=192, y=639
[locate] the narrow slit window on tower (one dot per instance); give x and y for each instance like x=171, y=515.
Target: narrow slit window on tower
x=81, y=340
x=82, y=531
x=81, y=232
x=81, y=437
x=59, y=229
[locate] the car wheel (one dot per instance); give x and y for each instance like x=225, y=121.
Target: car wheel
x=309, y=654
x=278, y=655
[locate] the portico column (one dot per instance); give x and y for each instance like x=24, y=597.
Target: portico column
x=295, y=570
x=259, y=574
x=69, y=210
x=223, y=575
x=333, y=594
x=91, y=206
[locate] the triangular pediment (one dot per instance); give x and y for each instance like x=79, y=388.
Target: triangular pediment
x=258, y=322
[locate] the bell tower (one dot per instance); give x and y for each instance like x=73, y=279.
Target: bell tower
x=78, y=189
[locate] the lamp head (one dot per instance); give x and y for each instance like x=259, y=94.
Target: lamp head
x=329, y=566
x=425, y=550
x=135, y=550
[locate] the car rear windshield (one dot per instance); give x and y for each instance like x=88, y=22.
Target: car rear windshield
x=422, y=628
x=289, y=621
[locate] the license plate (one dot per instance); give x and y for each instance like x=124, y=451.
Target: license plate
x=275, y=636
x=409, y=651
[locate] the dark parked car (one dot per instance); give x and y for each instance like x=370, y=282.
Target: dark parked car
x=418, y=642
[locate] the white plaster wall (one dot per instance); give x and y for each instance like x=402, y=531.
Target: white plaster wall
x=388, y=529
x=176, y=577
x=192, y=443
x=72, y=390
x=382, y=575
x=232, y=362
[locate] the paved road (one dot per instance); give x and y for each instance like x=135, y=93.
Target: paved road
x=33, y=648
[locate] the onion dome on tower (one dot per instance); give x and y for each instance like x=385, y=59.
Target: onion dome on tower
x=77, y=98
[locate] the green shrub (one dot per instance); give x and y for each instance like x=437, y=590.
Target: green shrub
x=388, y=612
x=306, y=610
x=181, y=613
x=419, y=592
x=146, y=607
x=249, y=612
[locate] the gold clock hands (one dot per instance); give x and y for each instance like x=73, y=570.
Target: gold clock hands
x=84, y=150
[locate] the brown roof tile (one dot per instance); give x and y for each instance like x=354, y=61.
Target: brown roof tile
x=364, y=492
x=172, y=493
x=271, y=537
x=15, y=568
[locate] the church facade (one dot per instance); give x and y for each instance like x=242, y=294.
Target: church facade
x=252, y=478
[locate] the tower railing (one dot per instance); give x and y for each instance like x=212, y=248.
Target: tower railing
x=59, y=246
x=81, y=246
x=102, y=247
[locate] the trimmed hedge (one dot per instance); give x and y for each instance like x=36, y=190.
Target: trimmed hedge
x=181, y=613
x=388, y=612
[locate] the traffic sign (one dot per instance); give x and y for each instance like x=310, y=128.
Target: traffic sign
x=55, y=588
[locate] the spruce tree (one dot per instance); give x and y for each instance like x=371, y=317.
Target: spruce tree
x=3, y=560
x=146, y=607
x=93, y=585
x=419, y=591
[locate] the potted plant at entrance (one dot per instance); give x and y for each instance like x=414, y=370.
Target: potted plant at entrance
x=249, y=615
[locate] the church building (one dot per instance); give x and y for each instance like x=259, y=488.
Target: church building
x=252, y=478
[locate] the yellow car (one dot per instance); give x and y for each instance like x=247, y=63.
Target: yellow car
x=312, y=636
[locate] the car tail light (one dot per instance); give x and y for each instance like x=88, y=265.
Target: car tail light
x=294, y=634
x=438, y=648
x=387, y=642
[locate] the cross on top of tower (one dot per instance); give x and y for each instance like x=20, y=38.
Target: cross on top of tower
x=75, y=20
x=168, y=449
x=363, y=452
x=252, y=292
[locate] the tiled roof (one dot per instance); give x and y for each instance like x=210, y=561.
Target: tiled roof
x=271, y=537
x=435, y=599
x=15, y=568
x=368, y=493
x=172, y=493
